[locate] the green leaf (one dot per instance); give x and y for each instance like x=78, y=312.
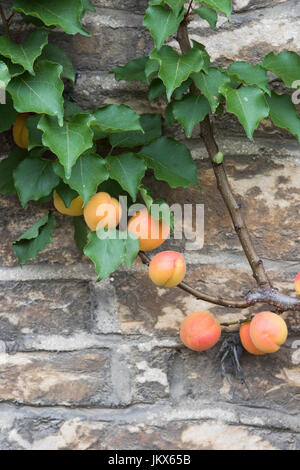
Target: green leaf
x=128, y=170
x=286, y=65
x=34, y=134
x=86, y=175
x=190, y=110
x=160, y=210
x=53, y=53
x=151, y=69
x=41, y=94
x=110, y=251
x=4, y=75
x=133, y=70
x=224, y=6
x=80, y=233
x=8, y=114
x=176, y=5
x=209, y=15
x=171, y=161
x=69, y=141
x=87, y=6
x=61, y=13
x=13, y=69
x=151, y=125
x=7, y=167
x=248, y=104
x=210, y=83
x=114, y=118
x=162, y=23
x=26, y=53
x=34, y=179
x=182, y=89
x=71, y=109
x=169, y=117
x=284, y=114
x=66, y=193
x=249, y=75
x=174, y=68
x=156, y=89
x=146, y=196
x=35, y=240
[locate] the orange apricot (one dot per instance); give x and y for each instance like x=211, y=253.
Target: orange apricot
x=247, y=341
x=20, y=131
x=150, y=232
x=200, y=331
x=103, y=211
x=297, y=283
x=268, y=331
x=75, y=209
x=167, y=269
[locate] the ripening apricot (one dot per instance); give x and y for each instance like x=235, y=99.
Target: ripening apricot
x=103, y=211
x=150, y=232
x=247, y=341
x=200, y=331
x=297, y=283
x=268, y=331
x=167, y=269
x=20, y=131
x=75, y=209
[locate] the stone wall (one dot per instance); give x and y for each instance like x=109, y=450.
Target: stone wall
x=100, y=366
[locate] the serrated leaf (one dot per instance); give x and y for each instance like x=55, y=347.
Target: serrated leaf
x=162, y=23
x=110, y=251
x=66, y=193
x=61, y=13
x=209, y=15
x=191, y=110
x=174, y=68
x=248, y=104
x=133, y=70
x=41, y=94
x=80, y=233
x=53, y=53
x=284, y=114
x=224, y=6
x=151, y=125
x=7, y=167
x=114, y=118
x=171, y=161
x=34, y=134
x=35, y=240
x=156, y=89
x=248, y=74
x=26, y=53
x=285, y=65
x=128, y=170
x=34, y=178
x=69, y=141
x=8, y=114
x=210, y=83
x=86, y=175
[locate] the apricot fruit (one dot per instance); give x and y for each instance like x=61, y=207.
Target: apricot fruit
x=103, y=211
x=20, y=131
x=75, y=209
x=268, y=331
x=200, y=331
x=150, y=232
x=167, y=269
x=297, y=283
x=247, y=341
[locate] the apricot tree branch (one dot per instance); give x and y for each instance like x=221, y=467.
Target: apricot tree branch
x=224, y=187
x=267, y=296
x=4, y=21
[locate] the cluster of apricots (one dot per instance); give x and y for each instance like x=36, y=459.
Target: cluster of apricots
x=200, y=331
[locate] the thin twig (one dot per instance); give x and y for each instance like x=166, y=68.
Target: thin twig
x=189, y=9
x=267, y=296
x=4, y=21
x=224, y=187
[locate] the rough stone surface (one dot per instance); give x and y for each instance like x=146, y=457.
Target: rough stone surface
x=87, y=365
